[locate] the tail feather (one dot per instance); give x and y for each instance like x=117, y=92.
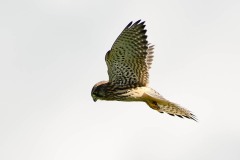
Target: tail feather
x=159, y=103
x=174, y=109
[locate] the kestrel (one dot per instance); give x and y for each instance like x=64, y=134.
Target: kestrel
x=128, y=62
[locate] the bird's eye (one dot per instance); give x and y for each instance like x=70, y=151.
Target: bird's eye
x=97, y=94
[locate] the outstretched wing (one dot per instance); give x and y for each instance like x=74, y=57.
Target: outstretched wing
x=130, y=57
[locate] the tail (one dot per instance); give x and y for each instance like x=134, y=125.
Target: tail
x=163, y=105
x=174, y=109
x=157, y=102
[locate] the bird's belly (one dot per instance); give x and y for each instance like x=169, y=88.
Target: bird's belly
x=132, y=95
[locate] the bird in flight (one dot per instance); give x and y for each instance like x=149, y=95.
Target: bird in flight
x=128, y=62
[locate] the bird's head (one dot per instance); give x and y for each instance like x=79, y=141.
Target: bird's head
x=98, y=90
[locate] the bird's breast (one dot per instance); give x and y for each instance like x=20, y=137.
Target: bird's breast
x=134, y=94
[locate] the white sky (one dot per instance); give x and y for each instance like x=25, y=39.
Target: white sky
x=52, y=53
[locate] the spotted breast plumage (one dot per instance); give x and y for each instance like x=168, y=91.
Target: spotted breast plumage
x=128, y=62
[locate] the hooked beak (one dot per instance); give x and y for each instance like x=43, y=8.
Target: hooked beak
x=94, y=99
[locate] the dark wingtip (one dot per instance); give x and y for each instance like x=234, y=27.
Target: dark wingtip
x=135, y=23
x=129, y=24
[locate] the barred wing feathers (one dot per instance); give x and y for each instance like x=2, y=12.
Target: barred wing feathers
x=130, y=57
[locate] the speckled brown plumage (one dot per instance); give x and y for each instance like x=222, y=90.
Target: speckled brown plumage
x=128, y=62
x=130, y=57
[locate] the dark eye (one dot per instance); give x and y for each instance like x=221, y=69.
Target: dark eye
x=98, y=94
x=98, y=91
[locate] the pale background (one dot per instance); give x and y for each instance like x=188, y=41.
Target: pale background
x=52, y=53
